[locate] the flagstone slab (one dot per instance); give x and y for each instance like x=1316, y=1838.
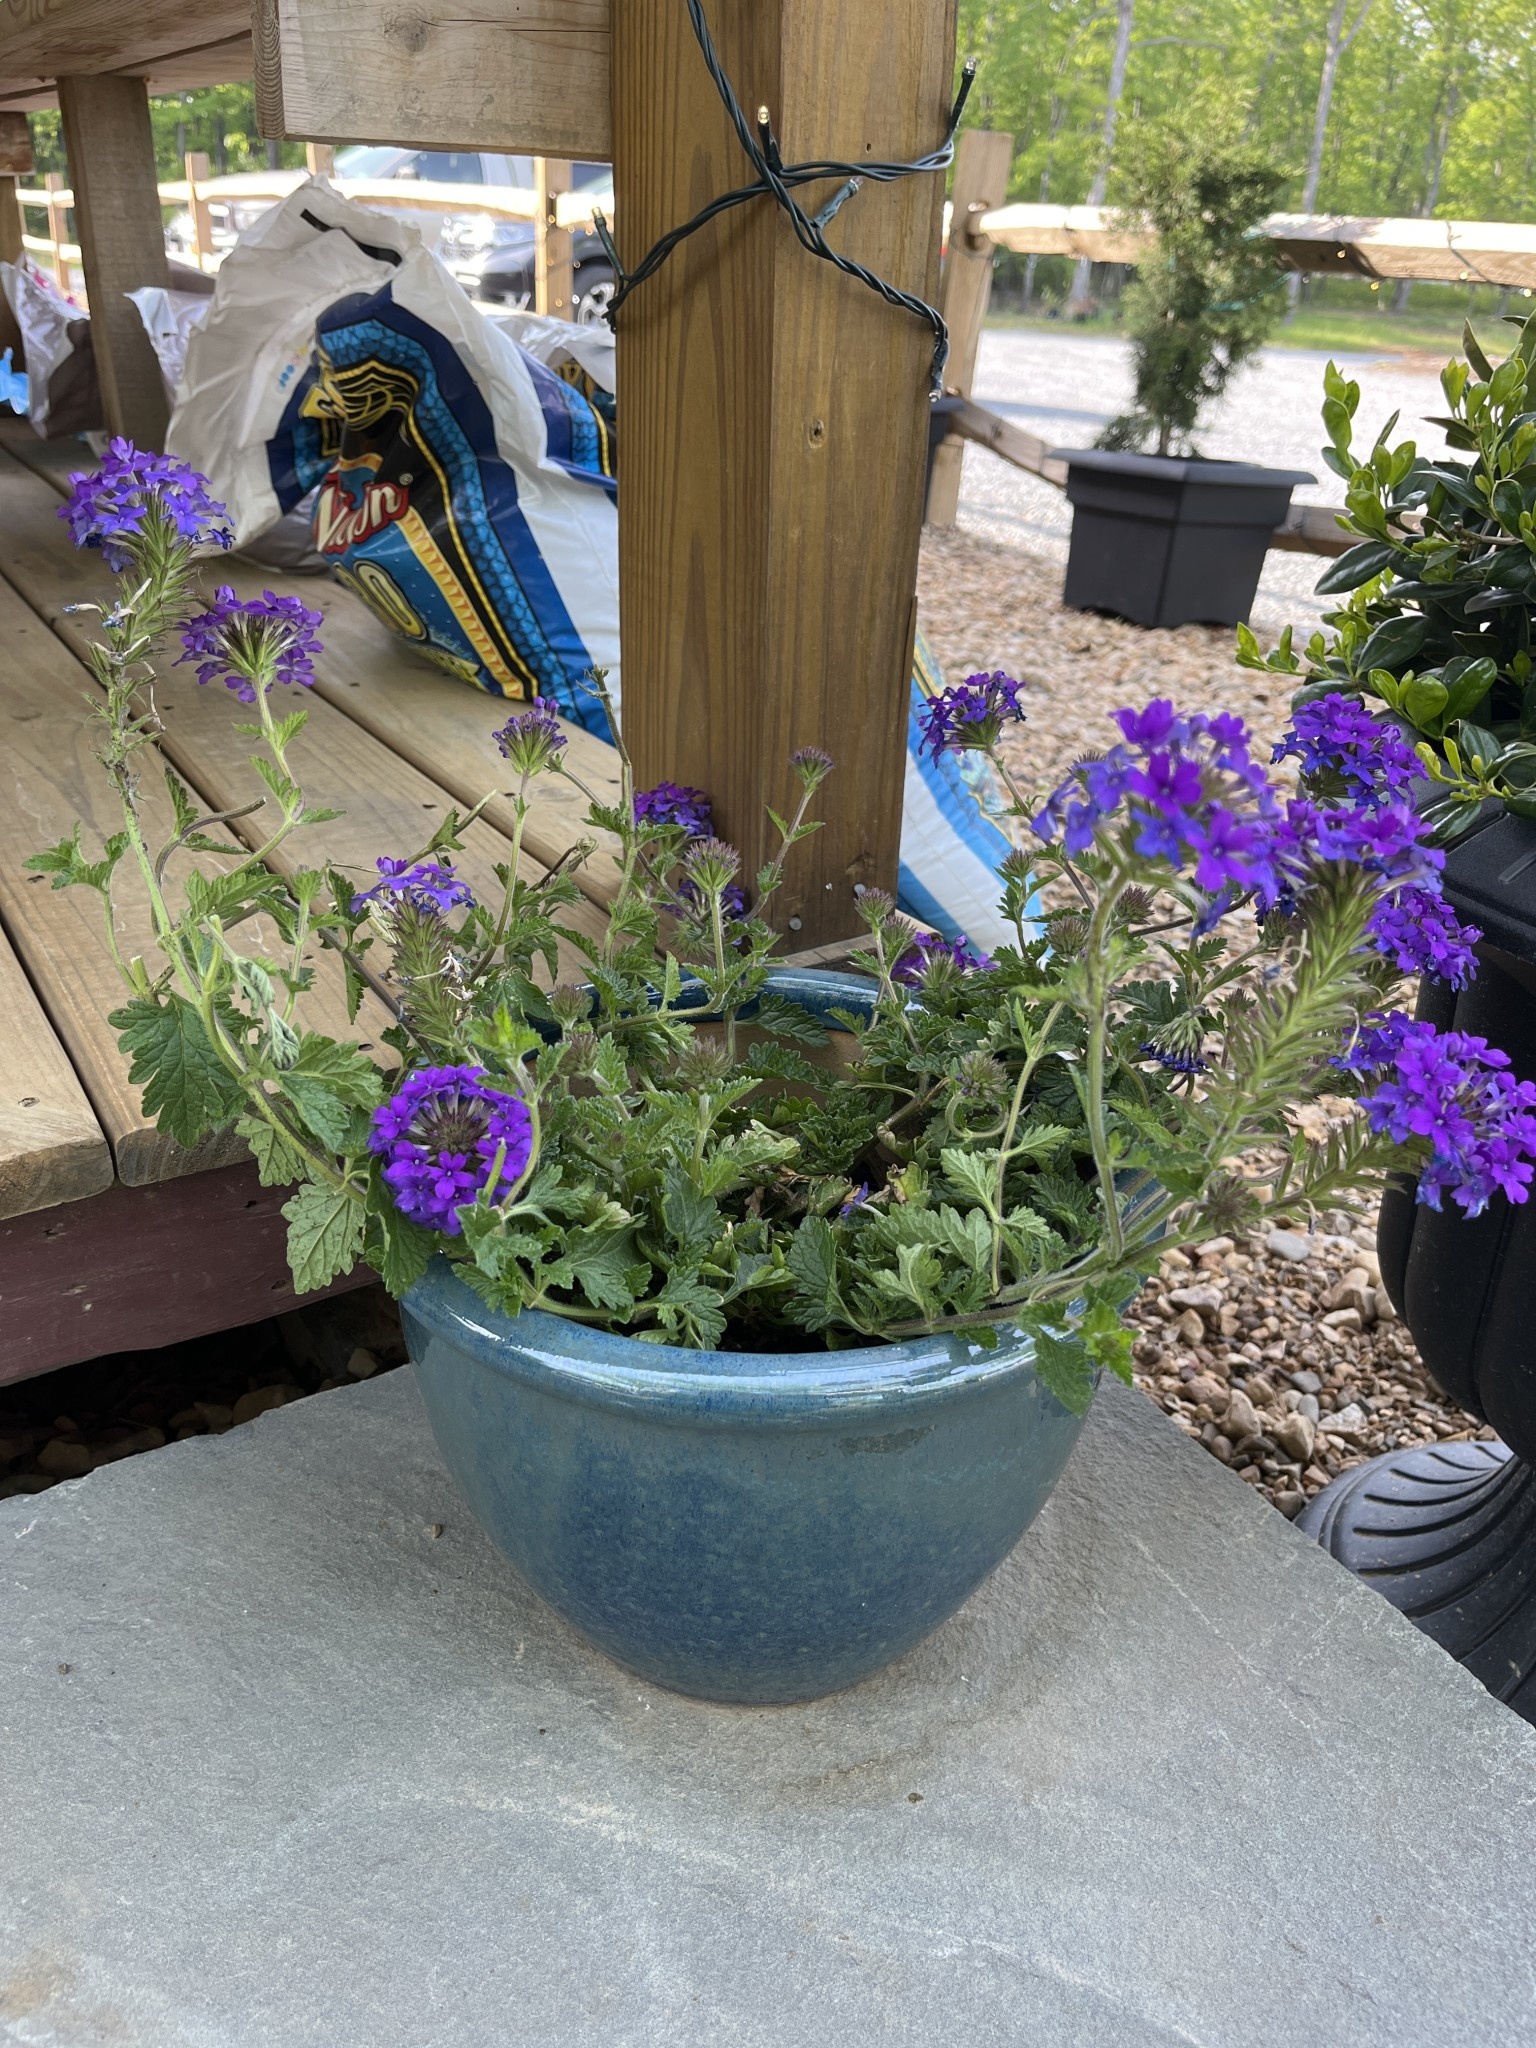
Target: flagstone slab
x=282, y=1767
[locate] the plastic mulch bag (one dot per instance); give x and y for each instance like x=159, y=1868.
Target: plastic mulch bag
x=465, y=491
x=64, y=397
x=463, y=468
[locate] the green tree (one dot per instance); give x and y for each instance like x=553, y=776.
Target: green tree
x=1204, y=299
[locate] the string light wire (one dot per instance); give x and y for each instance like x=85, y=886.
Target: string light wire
x=779, y=181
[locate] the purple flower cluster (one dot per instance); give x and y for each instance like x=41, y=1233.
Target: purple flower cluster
x=927, y=948
x=253, y=642
x=1453, y=1092
x=1194, y=796
x=1335, y=736
x=532, y=738
x=424, y=884
x=1175, y=1062
x=972, y=713
x=106, y=508
x=1420, y=932
x=673, y=803
x=446, y=1136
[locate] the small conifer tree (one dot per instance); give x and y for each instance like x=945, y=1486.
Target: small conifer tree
x=1204, y=298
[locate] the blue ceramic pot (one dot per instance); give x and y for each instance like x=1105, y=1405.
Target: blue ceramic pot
x=741, y=1526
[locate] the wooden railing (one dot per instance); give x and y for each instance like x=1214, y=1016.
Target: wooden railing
x=54, y=199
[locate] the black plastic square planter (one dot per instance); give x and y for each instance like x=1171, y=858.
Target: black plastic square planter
x=1164, y=541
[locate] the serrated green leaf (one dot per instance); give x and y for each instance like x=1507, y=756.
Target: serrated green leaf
x=971, y=1173
x=278, y=1165
x=187, y=1088
x=601, y=1261
x=786, y=1019
x=1065, y=1369
x=325, y=1235
x=400, y=1251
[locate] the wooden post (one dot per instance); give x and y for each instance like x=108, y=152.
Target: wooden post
x=111, y=151
x=321, y=159
x=11, y=251
x=196, y=167
x=53, y=184
x=776, y=421
x=15, y=164
x=982, y=163
x=552, y=281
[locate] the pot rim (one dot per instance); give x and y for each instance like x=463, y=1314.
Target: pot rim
x=578, y=1359
x=1203, y=469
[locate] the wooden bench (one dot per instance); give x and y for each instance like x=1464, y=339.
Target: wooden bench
x=111, y=1235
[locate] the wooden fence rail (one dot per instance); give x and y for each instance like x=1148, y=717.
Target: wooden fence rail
x=1308, y=529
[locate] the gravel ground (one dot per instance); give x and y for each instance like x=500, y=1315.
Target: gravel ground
x=64, y=1424
x=1064, y=386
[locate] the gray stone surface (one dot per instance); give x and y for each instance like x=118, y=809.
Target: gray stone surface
x=313, y=1776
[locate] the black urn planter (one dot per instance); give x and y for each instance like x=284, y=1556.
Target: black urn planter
x=1447, y=1532
x=1164, y=541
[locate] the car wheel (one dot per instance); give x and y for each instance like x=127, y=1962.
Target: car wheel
x=594, y=295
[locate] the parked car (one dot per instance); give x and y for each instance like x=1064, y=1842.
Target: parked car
x=495, y=259
x=237, y=202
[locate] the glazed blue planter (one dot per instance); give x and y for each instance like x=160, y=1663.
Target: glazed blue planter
x=740, y=1526
x=748, y=1527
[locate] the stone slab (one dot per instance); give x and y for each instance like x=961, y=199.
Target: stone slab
x=314, y=1777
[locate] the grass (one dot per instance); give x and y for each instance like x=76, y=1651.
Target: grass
x=1340, y=330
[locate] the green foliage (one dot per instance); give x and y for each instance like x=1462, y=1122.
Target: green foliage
x=1433, y=630
x=1429, y=109
x=708, y=1164
x=1205, y=297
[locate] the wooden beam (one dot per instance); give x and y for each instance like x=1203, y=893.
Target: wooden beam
x=320, y=159
x=41, y=40
x=111, y=151
x=53, y=185
x=522, y=75
x=12, y=228
x=776, y=420
x=135, y=1268
x=982, y=163
x=197, y=168
x=552, y=270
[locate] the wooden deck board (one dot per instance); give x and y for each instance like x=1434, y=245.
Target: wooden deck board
x=388, y=806
x=48, y=778
x=442, y=727
x=52, y=1149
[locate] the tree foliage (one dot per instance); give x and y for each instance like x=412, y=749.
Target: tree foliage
x=1430, y=111
x=1206, y=299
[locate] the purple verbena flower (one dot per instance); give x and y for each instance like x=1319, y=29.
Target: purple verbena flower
x=857, y=1200
x=1333, y=736
x=672, y=803
x=1375, y=1042
x=1175, y=1062
x=252, y=642
x=532, y=738
x=928, y=949
x=446, y=1136
x=972, y=713
x=107, y=507
x=425, y=884
x=1453, y=1092
x=1192, y=793
x=1420, y=932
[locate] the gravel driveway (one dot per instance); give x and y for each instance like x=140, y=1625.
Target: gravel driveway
x=1065, y=386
